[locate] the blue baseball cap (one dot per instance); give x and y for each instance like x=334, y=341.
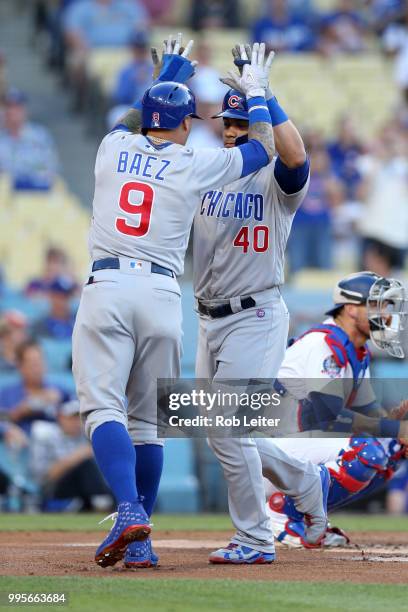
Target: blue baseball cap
x=139, y=39
x=62, y=284
x=14, y=96
x=234, y=106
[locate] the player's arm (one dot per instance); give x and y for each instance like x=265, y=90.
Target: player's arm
x=260, y=148
x=291, y=170
x=288, y=142
x=131, y=121
x=292, y=166
x=173, y=65
x=336, y=417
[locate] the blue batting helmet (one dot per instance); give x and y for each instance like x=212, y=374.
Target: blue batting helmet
x=166, y=104
x=234, y=106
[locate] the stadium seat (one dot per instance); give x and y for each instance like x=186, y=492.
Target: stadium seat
x=58, y=354
x=16, y=466
x=64, y=380
x=311, y=279
x=35, y=221
x=306, y=84
x=8, y=379
x=389, y=378
x=179, y=485
x=15, y=300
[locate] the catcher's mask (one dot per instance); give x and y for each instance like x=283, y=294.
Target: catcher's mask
x=387, y=315
x=386, y=303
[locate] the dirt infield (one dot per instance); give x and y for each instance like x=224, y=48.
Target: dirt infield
x=379, y=558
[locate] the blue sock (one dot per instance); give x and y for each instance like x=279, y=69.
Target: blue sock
x=149, y=465
x=116, y=458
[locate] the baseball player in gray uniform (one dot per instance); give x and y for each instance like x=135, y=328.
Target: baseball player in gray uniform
x=240, y=234
x=128, y=327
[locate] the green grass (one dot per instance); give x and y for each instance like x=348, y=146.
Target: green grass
x=187, y=522
x=89, y=522
x=90, y=594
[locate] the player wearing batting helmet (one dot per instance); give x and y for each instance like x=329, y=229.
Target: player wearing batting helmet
x=240, y=233
x=128, y=327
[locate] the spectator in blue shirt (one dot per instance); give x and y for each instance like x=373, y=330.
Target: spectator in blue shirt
x=97, y=23
x=282, y=30
x=345, y=152
x=56, y=263
x=32, y=398
x=59, y=322
x=342, y=30
x=136, y=76
x=27, y=151
x=103, y=23
x=310, y=243
x=384, y=12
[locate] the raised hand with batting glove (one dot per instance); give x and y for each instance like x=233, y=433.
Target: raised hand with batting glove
x=174, y=64
x=253, y=79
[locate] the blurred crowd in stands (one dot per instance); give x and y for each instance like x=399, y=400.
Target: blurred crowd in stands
x=357, y=204
x=352, y=178
x=39, y=415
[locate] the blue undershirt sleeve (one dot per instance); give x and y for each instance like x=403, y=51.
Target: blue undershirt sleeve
x=254, y=157
x=291, y=180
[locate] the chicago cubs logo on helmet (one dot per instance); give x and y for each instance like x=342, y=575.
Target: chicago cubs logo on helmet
x=234, y=101
x=234, y=106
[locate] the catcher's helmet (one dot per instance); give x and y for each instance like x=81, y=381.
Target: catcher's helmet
x=234, y=106
x=386, y=303
x=354, y=289
x=166, y=104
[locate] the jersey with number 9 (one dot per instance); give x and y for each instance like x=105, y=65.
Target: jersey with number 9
x=146, y=196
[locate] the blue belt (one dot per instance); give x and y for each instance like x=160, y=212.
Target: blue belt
x=113, y=263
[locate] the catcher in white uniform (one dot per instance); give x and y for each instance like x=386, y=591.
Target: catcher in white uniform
x=358, y=466
x=325, y=379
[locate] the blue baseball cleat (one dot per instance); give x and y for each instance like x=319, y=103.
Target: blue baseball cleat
x=131, y=523
x=239, y=554
x=141, y=554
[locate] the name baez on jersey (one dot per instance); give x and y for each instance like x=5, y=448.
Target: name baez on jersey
x=141, y=165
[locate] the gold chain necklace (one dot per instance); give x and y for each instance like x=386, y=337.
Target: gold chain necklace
x=157, y=139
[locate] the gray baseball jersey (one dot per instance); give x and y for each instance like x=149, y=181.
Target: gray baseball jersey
x=240, y=235
x=146, y=197
x=128, y=327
